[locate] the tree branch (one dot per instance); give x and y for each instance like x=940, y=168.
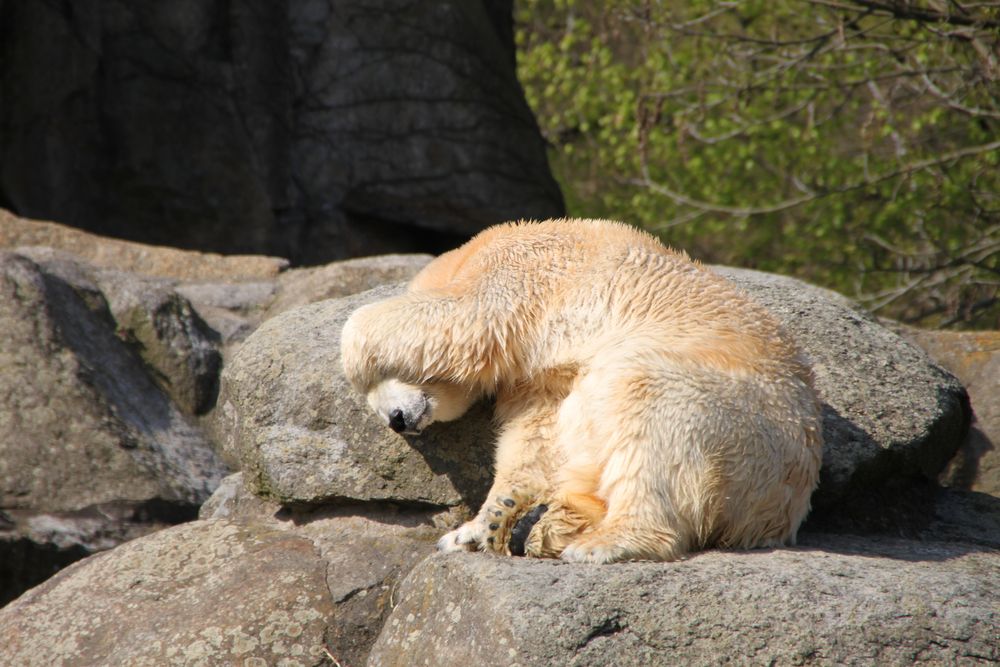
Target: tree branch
x=909, y=12
x=744, y=211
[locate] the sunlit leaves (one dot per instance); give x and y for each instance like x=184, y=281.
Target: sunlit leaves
x=782, y=135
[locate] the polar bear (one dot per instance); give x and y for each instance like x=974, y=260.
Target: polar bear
x=646, y=407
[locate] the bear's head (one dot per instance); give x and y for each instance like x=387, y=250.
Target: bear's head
x=410, y=408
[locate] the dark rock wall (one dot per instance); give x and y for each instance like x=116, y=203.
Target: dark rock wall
x=310, y=129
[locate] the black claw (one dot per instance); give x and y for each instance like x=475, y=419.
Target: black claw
x=497, y=513
x=494, y=526
x=509, y=502
x=519, y=535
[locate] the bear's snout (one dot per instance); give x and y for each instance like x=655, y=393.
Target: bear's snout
x=404, y=408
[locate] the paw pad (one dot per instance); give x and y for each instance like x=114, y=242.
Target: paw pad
x=501, y=517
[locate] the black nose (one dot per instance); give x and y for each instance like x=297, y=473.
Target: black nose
x=396, y=421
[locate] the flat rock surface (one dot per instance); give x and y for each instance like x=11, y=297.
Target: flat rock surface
x=139, y=258
x=834, y=600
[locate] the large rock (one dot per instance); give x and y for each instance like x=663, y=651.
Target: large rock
x=834, y=600
x=81, y=420
x=205, y=593
x=368, y=550
x=173, y=339
x=179, y=348
x=310, y=130
x=92, y=451
x=303, y=435
x=890, y=414
x=974, y=357
x=250, y=584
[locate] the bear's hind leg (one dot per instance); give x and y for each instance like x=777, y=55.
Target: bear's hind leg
x=641, y=522
x=565, y=519
x=614, y=541
x=631, y=440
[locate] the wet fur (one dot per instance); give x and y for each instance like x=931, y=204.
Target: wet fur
x=652, y=406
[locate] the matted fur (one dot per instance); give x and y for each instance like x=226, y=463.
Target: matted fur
x=650, y=403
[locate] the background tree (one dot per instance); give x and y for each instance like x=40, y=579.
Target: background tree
x=854, y=143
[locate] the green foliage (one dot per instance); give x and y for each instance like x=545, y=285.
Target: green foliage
x=849, y=146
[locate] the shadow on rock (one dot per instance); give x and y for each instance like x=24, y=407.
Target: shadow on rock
x=931, y=523
x=470, y=472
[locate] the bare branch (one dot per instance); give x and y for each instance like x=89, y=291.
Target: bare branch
x=906, y=10
x=745, y=211
x=957, y=106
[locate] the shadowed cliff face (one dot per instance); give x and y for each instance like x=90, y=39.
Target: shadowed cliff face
x=310, y=129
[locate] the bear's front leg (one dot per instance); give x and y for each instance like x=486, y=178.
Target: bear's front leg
x=420, y=338
x=525, y=463
x=527, y=459
x=521, y=524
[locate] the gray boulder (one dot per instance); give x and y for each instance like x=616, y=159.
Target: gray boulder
x=368, y=550
x=890, y=414
x=180, y=350
x=204, y=593
x=71, y=384
x=833, y=600
x=92, y=451
x=251, y=583
x=174, y=341
x=303, y=435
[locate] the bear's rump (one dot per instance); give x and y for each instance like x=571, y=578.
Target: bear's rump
x=725, y=454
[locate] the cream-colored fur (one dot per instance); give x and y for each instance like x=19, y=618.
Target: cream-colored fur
x=649, y=403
